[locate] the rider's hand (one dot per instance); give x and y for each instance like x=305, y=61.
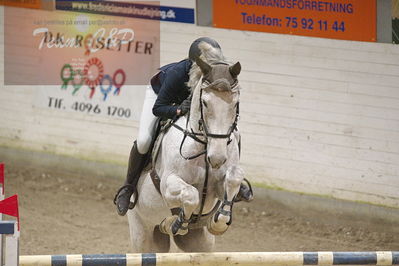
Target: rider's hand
x=184, y=107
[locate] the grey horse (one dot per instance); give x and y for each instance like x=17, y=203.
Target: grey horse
x=197, y=165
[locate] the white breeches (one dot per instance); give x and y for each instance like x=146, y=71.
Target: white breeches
x=147, y=122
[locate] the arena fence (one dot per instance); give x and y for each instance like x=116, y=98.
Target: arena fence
x=219, y=259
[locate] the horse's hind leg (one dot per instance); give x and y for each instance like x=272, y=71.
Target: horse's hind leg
x=145, y=238
x=178, y=193
x=221, y=220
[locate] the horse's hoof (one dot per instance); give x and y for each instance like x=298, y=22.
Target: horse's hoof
x=162, y=227
x=216, y=228
x=181, y=232
x=166, y=226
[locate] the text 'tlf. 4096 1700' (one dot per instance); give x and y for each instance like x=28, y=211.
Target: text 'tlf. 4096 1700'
x=90, y=108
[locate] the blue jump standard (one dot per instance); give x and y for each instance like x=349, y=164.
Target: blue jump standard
x=7, y=227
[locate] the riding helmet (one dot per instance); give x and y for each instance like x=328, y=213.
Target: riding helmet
x=195, y=52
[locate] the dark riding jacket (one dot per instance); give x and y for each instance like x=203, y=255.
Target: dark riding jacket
x=170, y=85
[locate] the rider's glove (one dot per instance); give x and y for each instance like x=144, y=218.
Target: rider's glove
x=185, y=106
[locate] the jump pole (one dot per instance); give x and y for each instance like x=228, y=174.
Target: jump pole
x=219, y=259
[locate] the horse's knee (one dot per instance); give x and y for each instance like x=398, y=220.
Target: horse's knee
x=177, y=192
x=189, y=196
x=234, y=176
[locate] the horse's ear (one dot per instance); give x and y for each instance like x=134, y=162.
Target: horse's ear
x=235, y=69
x=205, y=68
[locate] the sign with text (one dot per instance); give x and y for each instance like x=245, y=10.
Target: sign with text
x=336, y=19
x=84, y=53
x=127, y=105
x=96, y=65
x=145, y=10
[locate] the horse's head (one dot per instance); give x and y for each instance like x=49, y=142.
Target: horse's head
x=219, y=103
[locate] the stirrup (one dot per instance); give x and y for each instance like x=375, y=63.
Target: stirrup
x=135, y=193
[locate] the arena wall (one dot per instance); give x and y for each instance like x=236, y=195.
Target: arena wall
x=318, y=116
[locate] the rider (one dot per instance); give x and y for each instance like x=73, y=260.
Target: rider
x=168, y=97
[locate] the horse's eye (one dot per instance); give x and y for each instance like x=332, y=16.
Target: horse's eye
x=204, y=103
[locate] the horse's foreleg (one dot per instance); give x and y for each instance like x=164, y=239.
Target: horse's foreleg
x=178, y=193
x=221, y=220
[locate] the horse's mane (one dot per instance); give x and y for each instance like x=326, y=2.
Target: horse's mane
x=210, y=55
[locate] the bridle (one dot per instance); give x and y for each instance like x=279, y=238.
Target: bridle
x=204, y=127
x=205, y=134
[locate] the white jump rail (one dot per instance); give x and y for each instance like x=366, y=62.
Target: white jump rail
x=219, y=259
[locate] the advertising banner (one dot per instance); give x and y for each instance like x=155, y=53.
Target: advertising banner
x=78, y=49
x=129, y=9
x=95, y=64
x=336, y=19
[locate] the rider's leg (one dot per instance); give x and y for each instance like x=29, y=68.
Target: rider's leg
x=138, y=154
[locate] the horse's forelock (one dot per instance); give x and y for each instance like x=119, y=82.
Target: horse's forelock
x=220, y=85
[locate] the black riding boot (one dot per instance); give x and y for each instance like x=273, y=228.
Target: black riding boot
x=245, y=193
x=136, y=164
